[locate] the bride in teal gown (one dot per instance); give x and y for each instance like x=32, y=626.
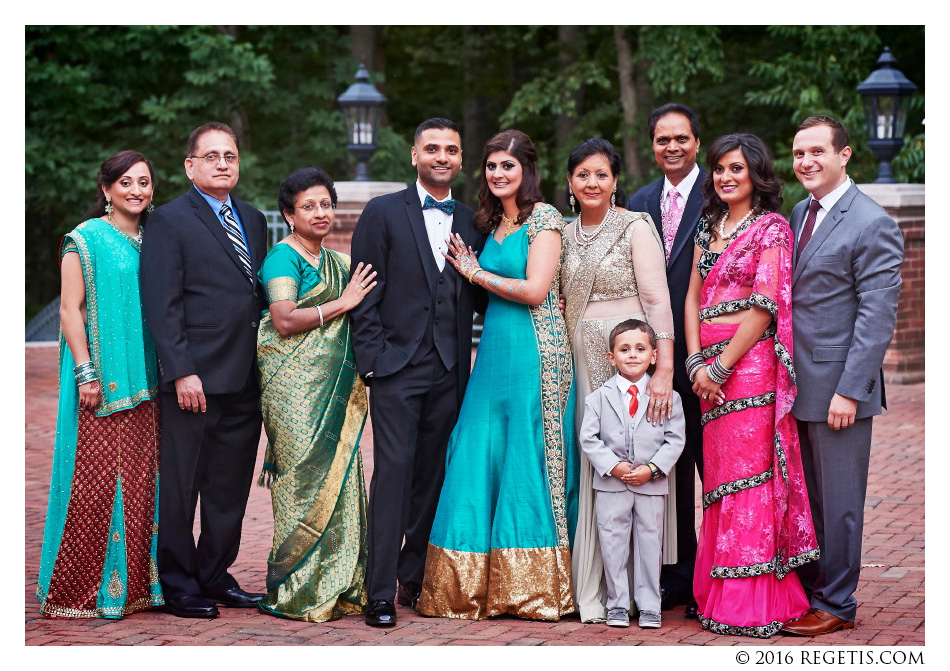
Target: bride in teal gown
x=500, y=542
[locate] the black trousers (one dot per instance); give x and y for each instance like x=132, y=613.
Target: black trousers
x=208, y=456
x=413, y=413
x=678, y=577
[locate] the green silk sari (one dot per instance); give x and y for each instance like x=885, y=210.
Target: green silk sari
x=314, y=408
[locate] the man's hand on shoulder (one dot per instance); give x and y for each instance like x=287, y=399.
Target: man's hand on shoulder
x=191, y=394
x=841, y=412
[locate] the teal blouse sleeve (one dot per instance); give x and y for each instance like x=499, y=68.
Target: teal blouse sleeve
x=281, y=274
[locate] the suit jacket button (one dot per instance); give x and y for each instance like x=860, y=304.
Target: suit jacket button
x=254, y=325
x=427, y=308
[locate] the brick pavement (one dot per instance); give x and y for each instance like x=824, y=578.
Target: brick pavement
x=890, y=594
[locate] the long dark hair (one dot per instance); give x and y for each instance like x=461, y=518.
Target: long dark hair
x=596, y=146
x=490, y=208
x=111, y=171
x=766, y=188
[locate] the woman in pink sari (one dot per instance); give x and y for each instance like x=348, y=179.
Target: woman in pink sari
x=757, y=526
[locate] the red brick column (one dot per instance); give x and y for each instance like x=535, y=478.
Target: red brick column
x=904, y=361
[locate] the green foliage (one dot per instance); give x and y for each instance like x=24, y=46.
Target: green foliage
x=94, y=90
x=678, y=53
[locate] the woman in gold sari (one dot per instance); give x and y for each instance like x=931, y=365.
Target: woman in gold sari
x=314, y=408
x=613, y=270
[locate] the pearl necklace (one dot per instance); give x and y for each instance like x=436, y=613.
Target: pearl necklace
x=722, y=222
x=583, y=239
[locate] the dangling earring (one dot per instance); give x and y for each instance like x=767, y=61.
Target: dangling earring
x=572, y=200
x=108, y=206
x=289, y=223
x=150, y=208
x=613, y=198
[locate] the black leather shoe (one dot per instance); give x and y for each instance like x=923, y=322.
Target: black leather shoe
x=670, y=599
x=408, y=594
x=381, y=613
x=190, y=606
x=692, y=610
x=234, y=598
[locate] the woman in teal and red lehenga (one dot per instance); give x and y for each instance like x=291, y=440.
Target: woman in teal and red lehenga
x=99, y=544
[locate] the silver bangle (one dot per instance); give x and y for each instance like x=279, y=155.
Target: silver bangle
x=320, y=312
x=663, y=335
x=85, y=373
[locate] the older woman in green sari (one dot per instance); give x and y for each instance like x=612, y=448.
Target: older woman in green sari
x=314, y=407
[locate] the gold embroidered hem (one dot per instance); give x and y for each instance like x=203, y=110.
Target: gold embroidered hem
x=52, y=610
x=533, y=583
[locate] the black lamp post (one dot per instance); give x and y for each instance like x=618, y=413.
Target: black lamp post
x=363, y=109
x=886, y=94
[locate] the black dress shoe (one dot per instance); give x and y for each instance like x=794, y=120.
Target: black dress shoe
x=190, y=606
x=234, y=598
x=381, y=613
x=408, y=594
x=692, y=610
x=670, y=599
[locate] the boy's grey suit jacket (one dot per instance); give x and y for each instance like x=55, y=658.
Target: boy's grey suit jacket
x=605, y=442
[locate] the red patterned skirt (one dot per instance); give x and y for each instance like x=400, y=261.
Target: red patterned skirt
x=118, y=450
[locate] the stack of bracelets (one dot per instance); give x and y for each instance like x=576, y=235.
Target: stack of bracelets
x=85, y=373
x=694, y=362
x=716, y=371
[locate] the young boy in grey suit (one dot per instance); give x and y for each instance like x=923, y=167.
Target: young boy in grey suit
x=631, y=458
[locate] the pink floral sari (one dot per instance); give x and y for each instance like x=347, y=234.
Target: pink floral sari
x=757, y=525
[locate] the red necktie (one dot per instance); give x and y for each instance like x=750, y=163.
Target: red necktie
x=634, y=403
x=809, y=227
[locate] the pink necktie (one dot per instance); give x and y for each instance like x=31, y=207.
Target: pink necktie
x=634, y=403
x=671, y=220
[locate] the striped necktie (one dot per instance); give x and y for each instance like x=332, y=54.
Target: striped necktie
x=234, y=232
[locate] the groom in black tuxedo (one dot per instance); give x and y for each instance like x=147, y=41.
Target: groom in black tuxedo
x=202, y=303
x=412, y=338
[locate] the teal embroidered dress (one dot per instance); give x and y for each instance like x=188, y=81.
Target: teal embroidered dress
x=501, y=538
x=99, y=544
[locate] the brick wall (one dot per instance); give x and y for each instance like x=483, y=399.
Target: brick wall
x=904, y=360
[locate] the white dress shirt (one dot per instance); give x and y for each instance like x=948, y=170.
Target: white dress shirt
x=827, y=203
x=683, y=188
x=438, y=226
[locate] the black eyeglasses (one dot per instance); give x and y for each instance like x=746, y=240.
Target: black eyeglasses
x=212, y=159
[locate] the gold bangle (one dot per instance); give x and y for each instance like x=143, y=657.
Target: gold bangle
x=471, y=278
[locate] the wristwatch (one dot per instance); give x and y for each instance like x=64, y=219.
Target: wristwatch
x=654, y=471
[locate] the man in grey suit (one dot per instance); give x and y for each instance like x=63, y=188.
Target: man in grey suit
x=846, y=281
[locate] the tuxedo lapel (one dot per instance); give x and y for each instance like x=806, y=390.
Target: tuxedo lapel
x=687, y=227
x=417, y=224
x=210, y=219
